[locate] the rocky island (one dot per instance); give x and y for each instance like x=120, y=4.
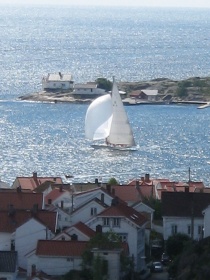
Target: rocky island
x=192, y=90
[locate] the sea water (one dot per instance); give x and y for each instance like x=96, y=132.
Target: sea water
x=134, y=44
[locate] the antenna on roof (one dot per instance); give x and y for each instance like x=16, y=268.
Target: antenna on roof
x=189, y=175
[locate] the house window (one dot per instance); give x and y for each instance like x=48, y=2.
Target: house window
x=189, y=229
x=123, y=237
x=93, y=211
x=12, y=245
x=106, y=221
x=59, y=217
x=174, y=229
x=116, y=222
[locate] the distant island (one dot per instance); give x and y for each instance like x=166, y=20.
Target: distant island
x=192, y=90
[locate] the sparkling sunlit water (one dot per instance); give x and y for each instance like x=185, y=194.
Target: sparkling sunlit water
x=133, y=44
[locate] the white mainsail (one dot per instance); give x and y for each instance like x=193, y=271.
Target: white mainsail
x=98, y=118
x=120, y=131
x=106, y=118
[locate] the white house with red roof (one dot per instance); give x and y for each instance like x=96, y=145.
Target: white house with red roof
x=128, y=224
x=41, y=226
x=56, y=257
x=88, y=210
x=80, y=232
x=20, y=230
x=60, y=197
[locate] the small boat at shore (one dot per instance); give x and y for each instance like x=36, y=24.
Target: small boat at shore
x=204, y=106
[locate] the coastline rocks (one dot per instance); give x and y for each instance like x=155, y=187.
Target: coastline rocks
x=192, y=89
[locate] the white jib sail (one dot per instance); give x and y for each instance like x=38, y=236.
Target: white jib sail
x=120, y=131
x=98, y=118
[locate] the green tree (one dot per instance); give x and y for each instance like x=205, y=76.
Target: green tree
x=176, y=244
x=104, y=84
x=156, y=204
x=112, y=182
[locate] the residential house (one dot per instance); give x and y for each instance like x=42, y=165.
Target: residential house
x=31, y=183
x=113, y=261
x=88, y=210
x=64, y=218
x=128, y=224
x=8, y=265
x=183, y=213
x=21, y=229
x=57, y=81
x=145, y=94
x=80, y=232
x=81, y=198
x=88, y=90
x=56, y=257
x=60, y=197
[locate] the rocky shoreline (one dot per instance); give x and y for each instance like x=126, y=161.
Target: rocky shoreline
x=194, y=90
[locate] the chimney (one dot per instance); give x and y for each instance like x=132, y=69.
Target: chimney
x=147, y=177
x=187, y=189
x=35, y=175
x=96, y=181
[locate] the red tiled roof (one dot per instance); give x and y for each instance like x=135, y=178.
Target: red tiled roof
x=61, y=248
x=33, y=182
x=54, y=194
x=9, y=223
x=132, y=193
x=84, y=229
x=20, y=200
x=122, y=210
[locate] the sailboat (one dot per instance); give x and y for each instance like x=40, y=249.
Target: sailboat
x=107, y=119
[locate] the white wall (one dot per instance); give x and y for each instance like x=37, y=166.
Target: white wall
x=83, y=214
x=82, y=198
x=5, y=243
x=54, y=265
x=26, y=237
x=135, y=237
x=206, y=222
x=182, y=226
